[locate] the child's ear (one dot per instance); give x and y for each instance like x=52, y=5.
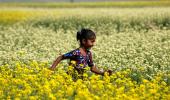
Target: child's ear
x=83, y=41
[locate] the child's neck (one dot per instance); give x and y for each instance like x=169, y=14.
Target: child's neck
x=83, y=51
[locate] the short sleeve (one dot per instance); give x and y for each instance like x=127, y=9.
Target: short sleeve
x=71, y=54
x=90, y=61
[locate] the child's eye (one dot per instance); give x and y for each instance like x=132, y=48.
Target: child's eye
x=93, y=41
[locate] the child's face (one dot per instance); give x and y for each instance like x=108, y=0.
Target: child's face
x=89, y=43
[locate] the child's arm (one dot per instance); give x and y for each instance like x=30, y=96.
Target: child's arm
x=55, y=63
x=68, y=55
x=97, y=71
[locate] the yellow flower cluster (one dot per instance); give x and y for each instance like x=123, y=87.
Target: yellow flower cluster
x=10, y=16
x=35, y=81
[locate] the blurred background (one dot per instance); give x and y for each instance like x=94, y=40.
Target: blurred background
x=73, y=0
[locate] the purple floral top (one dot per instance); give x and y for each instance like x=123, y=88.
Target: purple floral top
x=76, y=55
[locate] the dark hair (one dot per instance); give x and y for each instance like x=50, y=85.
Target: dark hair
x=85, y=34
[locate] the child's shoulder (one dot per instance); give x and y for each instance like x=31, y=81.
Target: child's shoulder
x=76, y=51
x=71, y=53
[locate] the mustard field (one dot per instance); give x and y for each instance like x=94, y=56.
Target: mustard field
x=35, y=81
x=133, y=42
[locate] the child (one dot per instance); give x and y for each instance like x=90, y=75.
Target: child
x=82, y=55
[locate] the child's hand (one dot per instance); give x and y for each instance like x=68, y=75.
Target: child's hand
x=110, y=72
x=50, y=68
